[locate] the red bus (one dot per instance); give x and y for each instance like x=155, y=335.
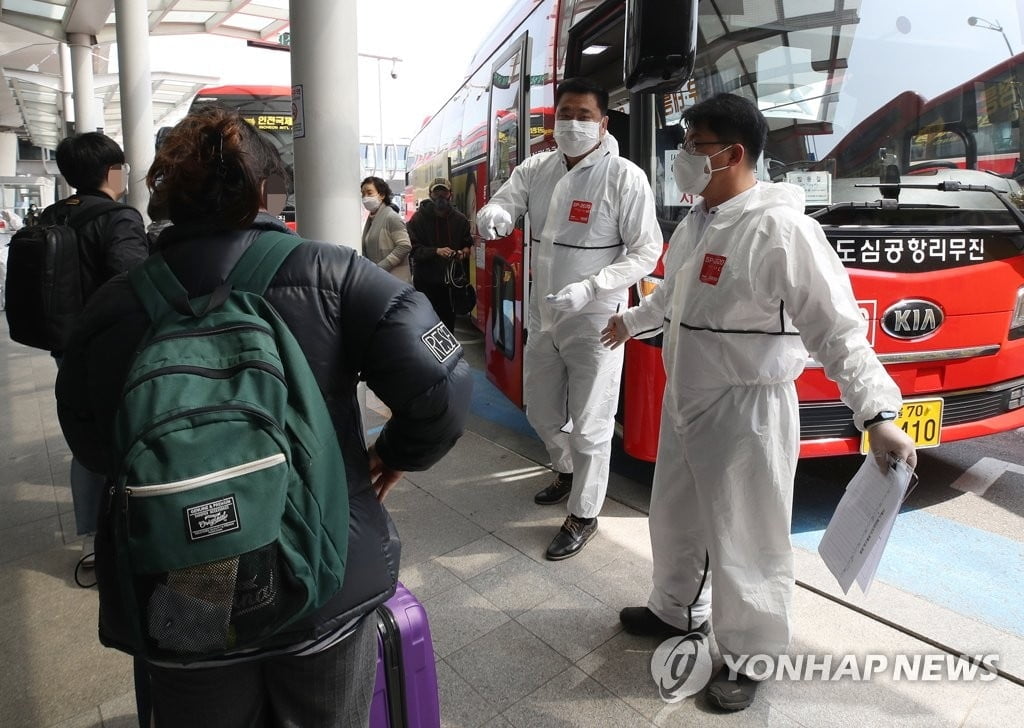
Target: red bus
x=901, y=123
x=269, y=109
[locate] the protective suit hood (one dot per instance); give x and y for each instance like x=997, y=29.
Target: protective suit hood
x=760, y=198
x=778, y=194
x=609, y=144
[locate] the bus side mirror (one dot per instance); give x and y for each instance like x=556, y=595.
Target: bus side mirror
x=661, y=44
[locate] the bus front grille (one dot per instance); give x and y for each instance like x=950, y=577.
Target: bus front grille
x=835, y=420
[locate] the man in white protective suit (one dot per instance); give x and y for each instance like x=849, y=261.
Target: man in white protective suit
x=751, y=286
x=594, y=233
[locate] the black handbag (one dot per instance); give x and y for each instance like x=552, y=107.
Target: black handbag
x=461, y=294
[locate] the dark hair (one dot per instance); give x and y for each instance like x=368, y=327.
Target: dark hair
x=210, y=168
x=382, y=187
x=583, y=85
x=84, y=159
x=731, y=118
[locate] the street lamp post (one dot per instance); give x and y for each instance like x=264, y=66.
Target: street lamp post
x=380, y=105
x=976, y=22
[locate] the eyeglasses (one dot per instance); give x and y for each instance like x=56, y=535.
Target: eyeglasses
x=690, y=146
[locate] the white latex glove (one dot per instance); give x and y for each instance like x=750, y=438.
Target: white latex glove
x=493, y=222
x=573, y=297
x=887, y=438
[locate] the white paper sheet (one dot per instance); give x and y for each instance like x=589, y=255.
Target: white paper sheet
x=855, y=538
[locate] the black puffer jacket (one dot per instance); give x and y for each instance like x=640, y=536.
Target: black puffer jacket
x=353, y=321
x=110, y=243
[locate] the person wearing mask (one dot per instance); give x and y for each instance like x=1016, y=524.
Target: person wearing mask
x=109, y=244
x=594, y=233
x=385, y=239
x=751, y=288
x=217, y=175
x=441, y=243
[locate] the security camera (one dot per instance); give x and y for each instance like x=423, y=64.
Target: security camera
x=394, y=74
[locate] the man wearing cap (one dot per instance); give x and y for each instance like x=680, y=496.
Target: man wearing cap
x=440, y=238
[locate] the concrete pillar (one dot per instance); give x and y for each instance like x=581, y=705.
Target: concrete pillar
x=67, y=83
x=82, y=79
x=8, y=154
x=325, y=71
x=136, y=96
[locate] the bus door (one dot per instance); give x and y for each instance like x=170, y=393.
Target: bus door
x=639, y=50
x=506, y=261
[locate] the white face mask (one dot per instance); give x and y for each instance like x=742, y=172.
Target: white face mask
x=576, y=138
x=371, y=203
x=693, y=171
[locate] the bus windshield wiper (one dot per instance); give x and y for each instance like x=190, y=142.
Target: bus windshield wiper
x=949, y=185
x=882, y=204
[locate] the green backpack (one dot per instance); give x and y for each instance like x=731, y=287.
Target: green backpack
x=229, y=514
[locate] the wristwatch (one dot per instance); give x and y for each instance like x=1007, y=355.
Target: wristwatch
x=883, y=416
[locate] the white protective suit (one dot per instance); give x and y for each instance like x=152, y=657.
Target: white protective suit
x=741, y=281
x=594, y=222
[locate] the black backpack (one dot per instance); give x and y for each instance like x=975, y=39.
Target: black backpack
x=44, y=287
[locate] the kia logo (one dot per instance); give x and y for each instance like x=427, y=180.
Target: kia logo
x=911, y=319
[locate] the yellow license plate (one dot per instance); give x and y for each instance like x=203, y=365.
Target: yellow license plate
x=919, y=418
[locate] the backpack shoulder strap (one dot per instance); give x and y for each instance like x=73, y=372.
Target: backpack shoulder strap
x=260, y=262
x=157, y=287
x=160, y=290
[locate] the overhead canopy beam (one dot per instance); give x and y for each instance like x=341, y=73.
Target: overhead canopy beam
x=90, y=23
x=86, y=16
x=52, y=29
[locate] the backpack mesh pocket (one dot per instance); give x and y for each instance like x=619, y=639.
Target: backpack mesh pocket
x=224, y=604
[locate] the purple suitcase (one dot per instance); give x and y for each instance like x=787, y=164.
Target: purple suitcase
x=406, y=692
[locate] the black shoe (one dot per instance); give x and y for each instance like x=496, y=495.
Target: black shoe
x=571, y=537
x=645, y=623
x=729, y=694
x=557, y=492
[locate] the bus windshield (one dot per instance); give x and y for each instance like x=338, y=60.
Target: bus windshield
x=863, y=92
x=269, y=109
x=271, y=113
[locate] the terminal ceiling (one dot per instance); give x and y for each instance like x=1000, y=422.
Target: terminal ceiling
x=31, y=102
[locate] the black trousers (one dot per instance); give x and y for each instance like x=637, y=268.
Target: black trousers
x=331, y=688
x=437, y=294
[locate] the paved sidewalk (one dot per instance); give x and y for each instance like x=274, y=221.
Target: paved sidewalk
x=519, y=641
